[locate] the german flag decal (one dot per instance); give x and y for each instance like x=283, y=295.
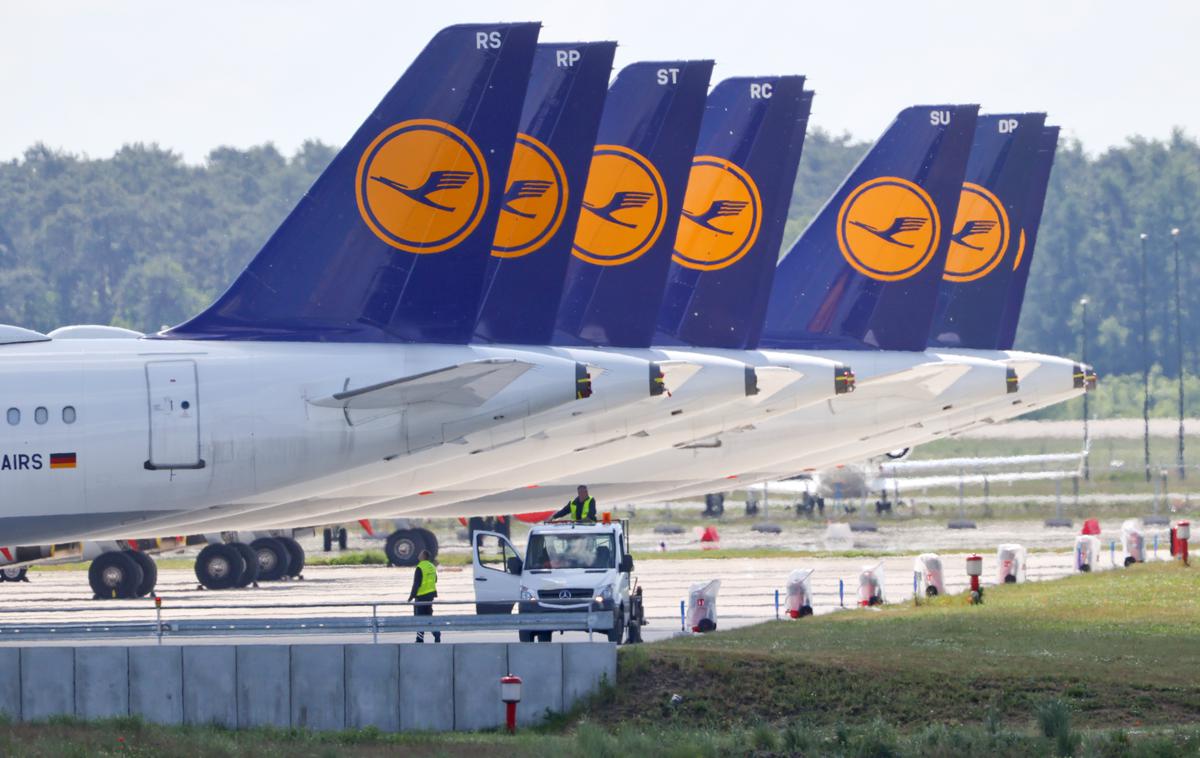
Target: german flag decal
x=62, y=460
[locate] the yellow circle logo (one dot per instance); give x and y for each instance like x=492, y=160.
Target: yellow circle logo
x=421, y=186
x=980, y=235
x=888, y=228
x=535, y=200
x=1020, y=251
x=722, y=214
x=624, y=207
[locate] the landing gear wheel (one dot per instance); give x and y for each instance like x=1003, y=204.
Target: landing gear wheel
x=475, y=524
x=114, y=575
x=149, y=572
x=273, y=559
x=250, y=557
x=501, y=525
x=219, y=566
x=618, y=631
x=431, y=542
x=14, y=574
x=296, y=553
x=404, y=547
x=327, y=542
x=342, y=537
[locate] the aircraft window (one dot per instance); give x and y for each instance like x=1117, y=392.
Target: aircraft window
x=69, y=414
x=41, y=415
x=14, y=416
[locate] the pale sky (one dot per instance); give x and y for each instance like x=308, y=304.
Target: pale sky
x=88, y=76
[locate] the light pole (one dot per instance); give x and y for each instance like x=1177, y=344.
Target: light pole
x=1179, y=343
x=1083, y=304
x=1145, y=367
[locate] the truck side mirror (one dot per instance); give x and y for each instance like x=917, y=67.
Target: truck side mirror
x=514, y=565
x=626, y=564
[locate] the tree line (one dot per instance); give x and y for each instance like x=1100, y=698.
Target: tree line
x=142, y=239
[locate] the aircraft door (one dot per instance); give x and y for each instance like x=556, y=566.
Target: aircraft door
x=174, y=405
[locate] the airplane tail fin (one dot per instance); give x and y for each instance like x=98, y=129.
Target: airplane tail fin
x=391, y=242
x=865, y=272
x=1031, y=217
x=734, y=212
x=985, y=236
x=636, y=182
x=543, y=192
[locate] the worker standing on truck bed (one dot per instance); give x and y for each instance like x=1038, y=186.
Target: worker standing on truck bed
x=424, y=590
x=582, y=508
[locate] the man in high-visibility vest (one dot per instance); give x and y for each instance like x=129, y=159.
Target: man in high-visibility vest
x=582, y=508
x=424, y=590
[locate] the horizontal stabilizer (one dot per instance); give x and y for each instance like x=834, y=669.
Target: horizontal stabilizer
x=931, y=378
x=471, y=383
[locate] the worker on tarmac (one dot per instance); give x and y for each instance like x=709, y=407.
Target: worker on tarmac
x=424, y=590
x=582, y=508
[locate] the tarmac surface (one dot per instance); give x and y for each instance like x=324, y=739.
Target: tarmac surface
x=747, y=592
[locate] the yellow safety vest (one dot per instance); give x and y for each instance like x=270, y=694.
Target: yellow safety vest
x=428, y=578
x=579, y=511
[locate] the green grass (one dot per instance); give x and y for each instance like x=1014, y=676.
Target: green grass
x=1119, y=648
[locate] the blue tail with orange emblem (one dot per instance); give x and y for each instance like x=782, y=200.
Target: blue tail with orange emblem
x=544, y=192
x=1031, y=217
x=631, y=204
x=391, y=242
x=734, y=212
x=865, y=273
x=985, y=237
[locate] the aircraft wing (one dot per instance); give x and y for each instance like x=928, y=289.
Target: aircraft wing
x=472, y=383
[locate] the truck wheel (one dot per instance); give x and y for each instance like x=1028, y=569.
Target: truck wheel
x=295, y=555
x=431, y=541
x=618, y=631
x=114, y=575
x=273, y=559
x=327, y=540
x=403, y=547
x=250, y=558
x=149, y=572
x=634, y=635
x=219, y=566
x=14, y=574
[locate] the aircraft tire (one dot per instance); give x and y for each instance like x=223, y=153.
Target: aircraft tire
x=14, y=574
x=219, y=566
x=149, y=572
x=250, y=557
x=296, y=553
x=273, y=559
x=617, y=633
x=343, y=536
x=431, y=541
x=327, y=540
x=114, y=575
x=404, y=547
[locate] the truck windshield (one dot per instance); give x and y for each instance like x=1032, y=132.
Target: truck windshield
x=571, y=550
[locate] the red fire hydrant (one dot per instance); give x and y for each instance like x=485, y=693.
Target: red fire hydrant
x=975, y=570
x=1183, y=531
x=510, y=693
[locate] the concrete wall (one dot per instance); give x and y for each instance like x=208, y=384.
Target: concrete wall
x=392, y=687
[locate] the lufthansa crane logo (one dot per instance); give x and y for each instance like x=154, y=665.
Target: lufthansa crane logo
x=722, y=213
x=980, y=235
x=1020, y=251
x=534, y=202
x=421, y=186
x=888, y=228
x=624, y=207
